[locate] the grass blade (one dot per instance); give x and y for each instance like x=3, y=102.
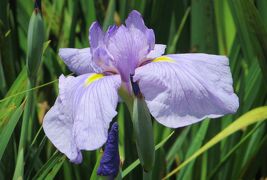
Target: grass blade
x=186, y=173
x=232, y=151
x=9, y=128
x=251, y=117
x=171, y=48
x=109, y=14
x=54, y=160
x=137, y=162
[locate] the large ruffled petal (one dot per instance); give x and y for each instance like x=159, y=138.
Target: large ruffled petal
x=59, y=131
x=81, y=115
x=78, y=61
x=94, y=111
x=58, y=121
x=185, y=88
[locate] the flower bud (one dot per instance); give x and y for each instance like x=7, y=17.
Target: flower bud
x=35, y=43
x=110, y=161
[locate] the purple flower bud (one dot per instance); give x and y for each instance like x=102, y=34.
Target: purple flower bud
x=110, y=162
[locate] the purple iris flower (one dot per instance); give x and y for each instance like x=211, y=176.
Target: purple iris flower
x=179, y=89
x=110, y=161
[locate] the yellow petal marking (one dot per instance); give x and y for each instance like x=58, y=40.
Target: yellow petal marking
x=93, y=78
x=163, y=59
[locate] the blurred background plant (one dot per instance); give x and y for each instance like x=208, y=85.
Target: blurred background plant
x=224, y=148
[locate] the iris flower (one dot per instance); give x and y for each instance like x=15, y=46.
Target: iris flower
x=179, y=89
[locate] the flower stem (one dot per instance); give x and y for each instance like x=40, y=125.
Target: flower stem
x=127, y=98
x=147, y=175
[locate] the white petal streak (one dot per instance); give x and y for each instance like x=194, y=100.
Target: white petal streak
x=158, y=50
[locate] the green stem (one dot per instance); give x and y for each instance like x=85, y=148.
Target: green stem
x=147, y=175
x=127, y=98
x=119, y=176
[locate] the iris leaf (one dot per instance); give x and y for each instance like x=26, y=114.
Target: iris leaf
x=9, y=128
x=55, y=161
x=251, y=117
x=195, y=145
x=127, y=170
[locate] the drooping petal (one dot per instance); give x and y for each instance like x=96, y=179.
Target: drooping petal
x=58, y=122
x=81, y=115
x=135, y=20
x=95, y=105
x=78, y=61
x=110, y=161
x=158, y=50
x=185, y=88
x=59, y=131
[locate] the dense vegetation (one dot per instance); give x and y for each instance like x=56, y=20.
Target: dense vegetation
x=236, y=28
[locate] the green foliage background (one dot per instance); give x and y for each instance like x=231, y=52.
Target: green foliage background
x=236, y=28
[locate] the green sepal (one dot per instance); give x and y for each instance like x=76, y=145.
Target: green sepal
x=143, y=133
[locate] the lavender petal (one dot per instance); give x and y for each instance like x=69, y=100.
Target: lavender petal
x=78, y=61
x=186, y=88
